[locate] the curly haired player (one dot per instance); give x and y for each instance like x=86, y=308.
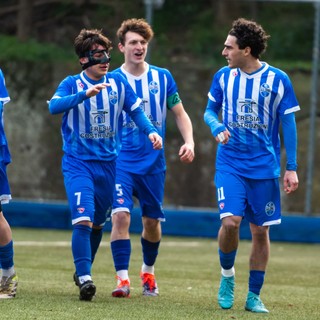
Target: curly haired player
x=253, y=98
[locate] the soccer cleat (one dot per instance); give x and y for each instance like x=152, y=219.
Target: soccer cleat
x=149, y=284
x=123, y=289
x=87, y=290
x=8, y=287
x=254, y=303
x=76, y=280
x=226, y=292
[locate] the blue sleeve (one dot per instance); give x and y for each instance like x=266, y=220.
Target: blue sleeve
x=62, y=104
x=289, y=131
x=141, y=120
x=211, y=118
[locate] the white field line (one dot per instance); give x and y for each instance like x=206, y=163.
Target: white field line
x=187, y=244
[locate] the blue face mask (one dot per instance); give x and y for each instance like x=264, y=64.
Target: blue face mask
x=96, y=57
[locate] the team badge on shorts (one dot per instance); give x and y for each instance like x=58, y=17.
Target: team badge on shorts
x=221, y=205
x=80, y=210
x=270, y=208
x=120, y=201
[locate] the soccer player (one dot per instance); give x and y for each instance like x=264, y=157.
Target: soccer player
x=253, y=98
x=9, y=279
x=141, y=170
x=92, y=103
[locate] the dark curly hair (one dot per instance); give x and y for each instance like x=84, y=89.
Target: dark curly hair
x=250, y=34
x=87, y=38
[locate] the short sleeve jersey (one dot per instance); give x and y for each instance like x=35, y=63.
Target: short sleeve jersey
x=4, y=98
x=154, y=87
x=90, y=130
x=251, y=106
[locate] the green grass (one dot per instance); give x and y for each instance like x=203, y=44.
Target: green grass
x=187, y=272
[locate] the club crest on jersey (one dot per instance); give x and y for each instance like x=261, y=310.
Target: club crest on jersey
x=153, y=87
x=265, y=90
x=81, y=210
x=113, y=97
x=270, y=208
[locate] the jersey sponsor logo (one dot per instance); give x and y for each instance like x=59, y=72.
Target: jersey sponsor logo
x=81, y=210
x=245, y=106
x=247, y=116
x=99, y=129
x=143, y=104
x=153, y=87
x=270, y=208
x=265, y=90
x=97, y=135
x=113, y=97
x=99, y=116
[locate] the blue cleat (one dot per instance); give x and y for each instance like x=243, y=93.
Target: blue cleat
x=254, y=303
x=226, y=292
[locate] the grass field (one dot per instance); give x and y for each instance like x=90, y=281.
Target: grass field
x=187, y=272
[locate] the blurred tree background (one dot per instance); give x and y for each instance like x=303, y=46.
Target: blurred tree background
x=36, y=53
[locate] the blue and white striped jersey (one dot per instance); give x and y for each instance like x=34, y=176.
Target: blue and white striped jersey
x=90, y=126
x=251, y=106
x=4, y=98
x=154, y=86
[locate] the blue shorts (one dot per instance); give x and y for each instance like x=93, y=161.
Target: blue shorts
x=149, y=189
x=5, y=194
x=89, y=186
x=256, y=200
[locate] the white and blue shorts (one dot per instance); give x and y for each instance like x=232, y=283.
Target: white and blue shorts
x=89, y=185
x=254, y=199
x=148, y=189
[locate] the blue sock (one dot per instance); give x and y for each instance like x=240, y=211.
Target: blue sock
x=121, y=251
x=95, y=239
x=6, y=256
x=227, y=259
x=149, y=251
x=256, y=280
x=81, y=249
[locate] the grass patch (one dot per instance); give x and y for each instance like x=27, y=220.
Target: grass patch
x=187, y=272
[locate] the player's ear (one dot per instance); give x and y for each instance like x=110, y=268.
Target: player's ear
x=83, y=60
x=121, y=47
x=247, y=51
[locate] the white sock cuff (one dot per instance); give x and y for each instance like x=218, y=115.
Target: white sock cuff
x=147, y=269
x=228, y=273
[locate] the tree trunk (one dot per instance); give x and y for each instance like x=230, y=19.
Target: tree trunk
x=24, y=23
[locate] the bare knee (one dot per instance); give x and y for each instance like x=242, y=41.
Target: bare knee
x=120, y=224
x=259, y=233
x=151, y=229
x=230, y=225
